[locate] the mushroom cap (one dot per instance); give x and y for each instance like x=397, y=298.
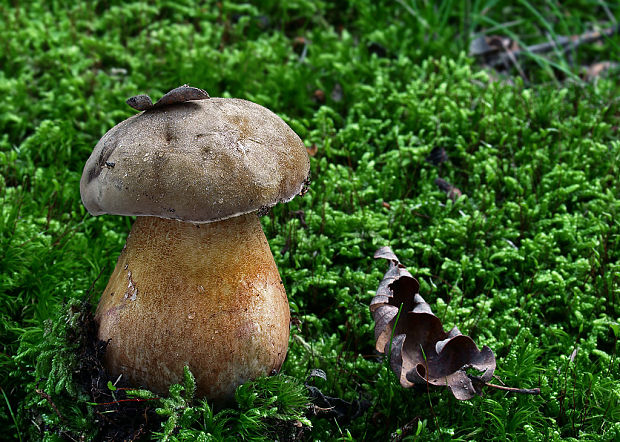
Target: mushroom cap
x=196, y=161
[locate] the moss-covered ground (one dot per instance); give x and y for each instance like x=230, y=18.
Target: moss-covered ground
x=527, y=261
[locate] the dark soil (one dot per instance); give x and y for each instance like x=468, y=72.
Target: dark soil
x=117, y=416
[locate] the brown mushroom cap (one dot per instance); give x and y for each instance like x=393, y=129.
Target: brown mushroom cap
x=197, y=161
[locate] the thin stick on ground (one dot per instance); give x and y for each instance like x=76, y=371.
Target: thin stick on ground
x=49, y=400
x=573, y=41
x=534, y=391
x=509, y=57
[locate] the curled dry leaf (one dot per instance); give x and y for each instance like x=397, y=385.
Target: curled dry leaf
x=178, y=95
x=182, y=94
x=140, y=102
x=420, y=351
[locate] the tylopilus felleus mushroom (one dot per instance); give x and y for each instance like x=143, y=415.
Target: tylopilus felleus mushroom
x=196, y=283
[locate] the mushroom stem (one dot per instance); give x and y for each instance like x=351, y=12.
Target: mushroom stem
x=208, y=296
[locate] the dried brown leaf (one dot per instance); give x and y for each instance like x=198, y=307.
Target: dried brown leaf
x=599, y=69
x=319, y=96
x=178, y=95
x=140, y=102
x=312, y=150
x=420, y=351
x=182, y=94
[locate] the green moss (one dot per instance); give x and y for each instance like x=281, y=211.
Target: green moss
x=527, y=261
x=267, y=408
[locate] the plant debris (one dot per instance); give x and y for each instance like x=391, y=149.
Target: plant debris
x=117, y=416
x=599, y=69
x=332, y=407
x=74, y=397
x=178, y=95
x=501, y=52
x=420, y=351
x=453, y=192
x=437, y=156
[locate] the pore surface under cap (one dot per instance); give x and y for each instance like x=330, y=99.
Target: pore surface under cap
x=196, y=161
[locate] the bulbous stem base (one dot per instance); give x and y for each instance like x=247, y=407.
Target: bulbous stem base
x=208, y=296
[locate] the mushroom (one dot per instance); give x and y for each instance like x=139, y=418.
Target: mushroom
x=196, y=284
